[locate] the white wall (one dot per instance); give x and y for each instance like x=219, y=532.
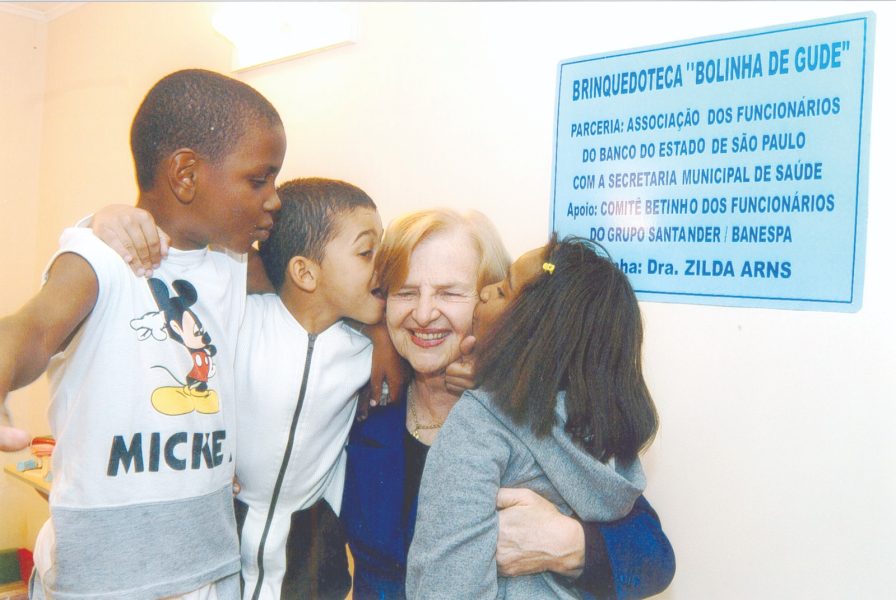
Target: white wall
x=773, y=470
x=22, y=60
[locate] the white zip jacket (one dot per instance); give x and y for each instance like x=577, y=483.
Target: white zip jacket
x=296, y=399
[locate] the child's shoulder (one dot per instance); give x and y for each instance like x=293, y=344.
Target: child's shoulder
x=106, y=264
x=82, y=239
x=475, y=401
x=264, y=303
x=477, y=414
x=267, y=320
x=475, y=411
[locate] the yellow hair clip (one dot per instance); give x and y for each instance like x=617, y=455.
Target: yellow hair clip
x=548, y=267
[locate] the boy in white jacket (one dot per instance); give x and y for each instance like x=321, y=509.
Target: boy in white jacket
x=300, y=366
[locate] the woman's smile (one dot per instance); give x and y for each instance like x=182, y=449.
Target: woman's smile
x=427, y=338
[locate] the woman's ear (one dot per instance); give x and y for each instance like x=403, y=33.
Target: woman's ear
x=303, y=272
x=181, y=174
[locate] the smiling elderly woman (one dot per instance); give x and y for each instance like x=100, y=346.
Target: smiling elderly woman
x=432, y=265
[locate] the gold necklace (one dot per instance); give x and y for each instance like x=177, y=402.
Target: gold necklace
x=417, y=425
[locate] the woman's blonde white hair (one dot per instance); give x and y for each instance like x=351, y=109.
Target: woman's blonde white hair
x=407, y=231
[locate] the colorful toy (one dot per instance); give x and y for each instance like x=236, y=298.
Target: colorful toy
x=42, y=449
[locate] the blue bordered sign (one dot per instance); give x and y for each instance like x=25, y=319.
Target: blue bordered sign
x=728, y=170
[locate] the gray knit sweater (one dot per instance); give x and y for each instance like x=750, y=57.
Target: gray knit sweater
x=479, y=450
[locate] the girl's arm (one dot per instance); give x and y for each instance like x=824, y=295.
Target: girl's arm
x=453, y=552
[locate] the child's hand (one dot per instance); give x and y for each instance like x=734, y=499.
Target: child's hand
x=133, y=234
x=365, y=401
x=461, y=374
x=388, y=366
x=11, y=439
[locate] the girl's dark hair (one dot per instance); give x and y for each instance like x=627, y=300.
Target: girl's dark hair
x=578, y=330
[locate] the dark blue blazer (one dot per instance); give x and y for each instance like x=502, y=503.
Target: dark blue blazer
x=379, y=535
x=625, y=559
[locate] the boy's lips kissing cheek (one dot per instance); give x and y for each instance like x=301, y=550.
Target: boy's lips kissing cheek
x=376, y=295
x=427, y=338
x=262, y=233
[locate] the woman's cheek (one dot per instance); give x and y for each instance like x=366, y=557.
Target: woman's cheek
x=468, y=317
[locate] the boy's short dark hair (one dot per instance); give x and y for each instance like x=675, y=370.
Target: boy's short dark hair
x=202, y=110
x=306, y=221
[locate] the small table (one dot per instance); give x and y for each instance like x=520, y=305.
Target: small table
x=34, y=478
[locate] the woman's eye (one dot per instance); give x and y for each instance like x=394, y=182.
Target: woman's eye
x=456, y=296
x=366, y=253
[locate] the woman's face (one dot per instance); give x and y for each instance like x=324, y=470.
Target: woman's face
x=495, y=298
x=432, y=312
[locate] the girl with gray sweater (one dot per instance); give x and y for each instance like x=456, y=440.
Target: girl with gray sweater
x=562, y=409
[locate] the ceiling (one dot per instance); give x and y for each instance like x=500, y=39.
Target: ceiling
x=41, y=11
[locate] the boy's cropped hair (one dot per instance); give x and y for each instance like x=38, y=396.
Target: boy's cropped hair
x=578, y=330
x=306, y=222
x=197, y=109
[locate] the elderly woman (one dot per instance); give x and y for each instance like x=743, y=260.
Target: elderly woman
x=432, y=265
